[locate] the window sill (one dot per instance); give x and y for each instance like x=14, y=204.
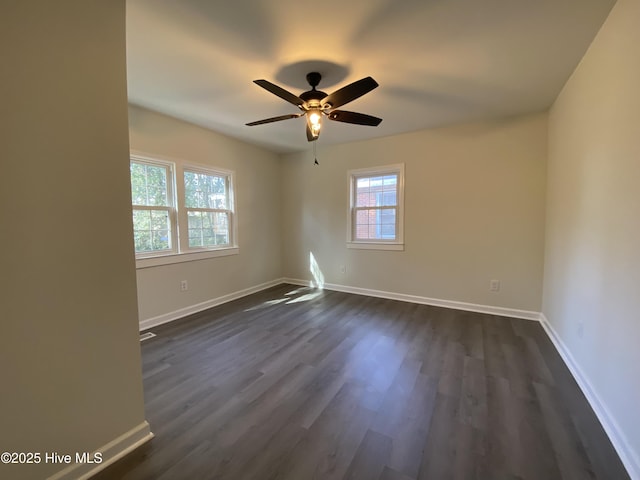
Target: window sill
x=184, y=257
x=376, y=246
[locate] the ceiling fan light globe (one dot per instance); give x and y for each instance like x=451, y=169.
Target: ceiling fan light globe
x=314, y=118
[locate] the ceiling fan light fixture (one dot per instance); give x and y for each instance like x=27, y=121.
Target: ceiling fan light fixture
x=314, y=119
x=315, y=103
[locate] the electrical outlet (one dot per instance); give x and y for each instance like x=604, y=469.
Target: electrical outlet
x=494, y=286
x=184, y=286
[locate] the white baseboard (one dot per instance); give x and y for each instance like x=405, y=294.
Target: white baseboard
x=436, y=302
x=198, y=307
x=111, y=452
x=620, y=443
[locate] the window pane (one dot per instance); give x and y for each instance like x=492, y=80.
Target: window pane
x=151, y=230
x=141, y=220
x=375, y=224
x=160, y=239
x=365, y=222
x=159, y=220
x=208, y=229
x=138, y=184
x=376, y=191
x=205, y=191
x=388, y=231
x=390, y=181
x=389, y=198
x=195, y=220
x=387, y=216
x=362, y=217
x=149, y=185
x=375, y=182
x=363, y=183
x=142, y=240
x=387, y=224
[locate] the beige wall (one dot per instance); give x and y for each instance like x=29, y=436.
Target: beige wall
x=592, y=266
x=474, y=211
x=258, y=212
x=69, y=350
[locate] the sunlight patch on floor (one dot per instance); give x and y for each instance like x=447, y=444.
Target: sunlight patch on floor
x=314, y=268
x=306, y=297
x=266, y=304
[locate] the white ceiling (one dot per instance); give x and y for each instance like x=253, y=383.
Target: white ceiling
x=438, y=62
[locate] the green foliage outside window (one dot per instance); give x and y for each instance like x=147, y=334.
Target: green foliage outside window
x=151, y=227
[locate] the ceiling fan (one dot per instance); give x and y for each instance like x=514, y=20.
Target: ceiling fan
x=315, y=103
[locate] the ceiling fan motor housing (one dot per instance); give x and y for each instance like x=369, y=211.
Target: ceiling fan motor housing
x=313, y=79
x=313, y=96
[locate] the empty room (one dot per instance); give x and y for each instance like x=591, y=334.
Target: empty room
x=380, y=240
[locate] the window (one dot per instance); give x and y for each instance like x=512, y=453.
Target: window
x=153, y=208
x=375, y=213
x=207, y=204
x=180, y=212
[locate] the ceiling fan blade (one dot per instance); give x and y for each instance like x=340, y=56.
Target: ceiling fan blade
x=310, y=136
x=353, y=117
x=350, y=92
x=275, y=119
x=280, y=92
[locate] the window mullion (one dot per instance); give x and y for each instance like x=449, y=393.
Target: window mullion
x=383, y=207
x=152, y=207
x=214, y=210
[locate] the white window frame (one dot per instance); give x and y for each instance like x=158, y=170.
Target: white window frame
x=171, y=208
x=181, y=252
x=377, y=244
x=183, y=213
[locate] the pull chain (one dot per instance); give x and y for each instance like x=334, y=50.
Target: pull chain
x=315, y=157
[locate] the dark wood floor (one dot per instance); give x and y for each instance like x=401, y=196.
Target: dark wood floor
x=298, y=384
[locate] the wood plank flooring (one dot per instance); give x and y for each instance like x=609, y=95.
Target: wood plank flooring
x=300, y=384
